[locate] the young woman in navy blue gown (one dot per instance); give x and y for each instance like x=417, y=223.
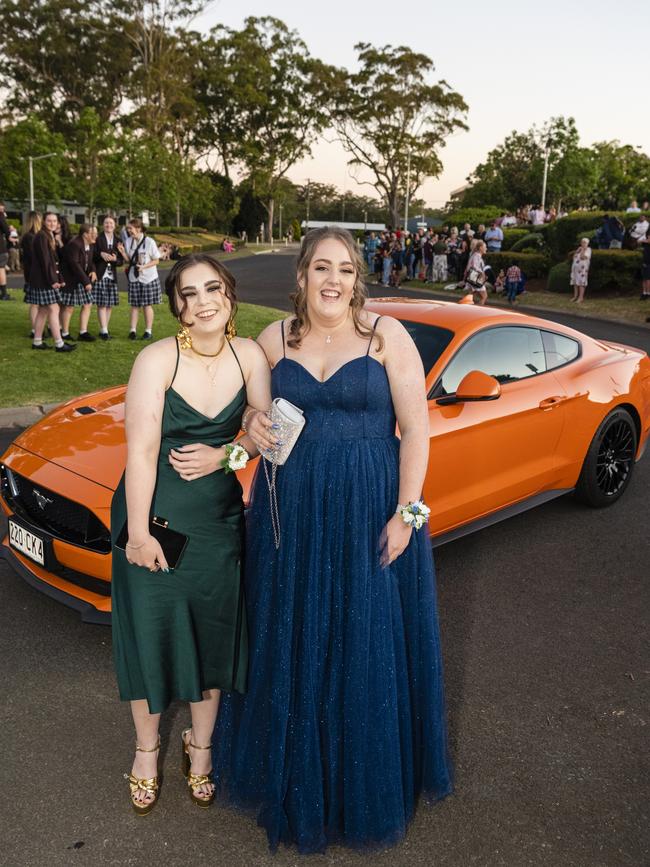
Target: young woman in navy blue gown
x=343, y=726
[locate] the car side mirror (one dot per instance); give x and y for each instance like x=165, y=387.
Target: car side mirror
x=474, y=386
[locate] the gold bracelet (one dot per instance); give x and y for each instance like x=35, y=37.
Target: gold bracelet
x=245, y=417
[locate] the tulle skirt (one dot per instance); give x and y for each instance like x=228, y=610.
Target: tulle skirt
x=343, y=726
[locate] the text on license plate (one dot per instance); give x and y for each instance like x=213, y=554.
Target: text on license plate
x=26, y=542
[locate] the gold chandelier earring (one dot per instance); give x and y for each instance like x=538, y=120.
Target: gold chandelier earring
x=183, y=336
x=231, y=330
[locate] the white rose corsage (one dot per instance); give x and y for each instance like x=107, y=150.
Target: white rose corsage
x=414, y=514
x=236, y=458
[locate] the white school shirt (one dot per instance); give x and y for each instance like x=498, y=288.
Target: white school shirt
x=151, y=252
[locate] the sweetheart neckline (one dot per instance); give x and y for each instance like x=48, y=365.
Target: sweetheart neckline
x=338, y=369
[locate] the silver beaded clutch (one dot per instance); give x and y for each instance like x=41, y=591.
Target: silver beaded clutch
x=288, y=421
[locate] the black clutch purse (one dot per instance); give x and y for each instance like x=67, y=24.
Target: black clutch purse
x=172, y=542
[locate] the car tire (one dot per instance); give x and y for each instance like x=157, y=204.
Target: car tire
x=609, y=463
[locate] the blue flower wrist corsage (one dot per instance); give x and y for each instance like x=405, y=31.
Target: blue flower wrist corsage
x=236, y=458
x=414, y=514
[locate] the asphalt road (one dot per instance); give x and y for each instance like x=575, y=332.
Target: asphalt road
x=544, y=626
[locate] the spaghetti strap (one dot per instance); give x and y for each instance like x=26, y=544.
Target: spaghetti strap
x=237, y=360
x=178, y=358
x=284, y=348
x=372, y=336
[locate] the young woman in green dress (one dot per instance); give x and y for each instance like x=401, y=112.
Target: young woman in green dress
x=180, y=634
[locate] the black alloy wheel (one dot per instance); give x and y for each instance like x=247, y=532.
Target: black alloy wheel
x=609, y=463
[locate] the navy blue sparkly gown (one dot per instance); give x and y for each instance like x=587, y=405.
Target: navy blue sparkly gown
x=343, y=726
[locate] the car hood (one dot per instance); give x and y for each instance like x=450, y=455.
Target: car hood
x=85, y=435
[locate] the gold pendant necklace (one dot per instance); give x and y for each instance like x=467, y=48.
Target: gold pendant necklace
x=213, y=355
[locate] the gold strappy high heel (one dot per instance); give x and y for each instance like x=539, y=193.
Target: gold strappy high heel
x=194, y=781
x=150, y=786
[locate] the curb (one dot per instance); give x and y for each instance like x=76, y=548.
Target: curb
x=24, y=416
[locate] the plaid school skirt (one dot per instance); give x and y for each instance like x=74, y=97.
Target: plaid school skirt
x=28, y=294
x=48, y=295
x=105, y=292
x=144, y=294
x=76, y=296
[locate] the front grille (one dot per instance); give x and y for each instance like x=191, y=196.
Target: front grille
x=62, y=518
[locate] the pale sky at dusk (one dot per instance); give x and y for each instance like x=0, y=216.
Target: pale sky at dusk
x=515, y=62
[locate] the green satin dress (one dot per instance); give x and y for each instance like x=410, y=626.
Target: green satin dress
x=177, y=634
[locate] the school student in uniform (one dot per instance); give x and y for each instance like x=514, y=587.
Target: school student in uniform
x=45, y=284
x=141, y=256
x=107, y=259
x=79, y=276
x=31, y=227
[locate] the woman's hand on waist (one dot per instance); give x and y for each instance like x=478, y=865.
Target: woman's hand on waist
x=196, y=460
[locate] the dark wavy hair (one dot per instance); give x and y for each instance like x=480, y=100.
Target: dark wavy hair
x=173, y=283
x=301, y=324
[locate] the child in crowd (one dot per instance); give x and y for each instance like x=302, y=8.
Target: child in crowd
x=513, y=281
x=500, y=282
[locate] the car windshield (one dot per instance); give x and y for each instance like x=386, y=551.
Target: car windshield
x=430, y=340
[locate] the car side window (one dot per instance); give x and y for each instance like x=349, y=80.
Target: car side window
x=507, y=353
x=559, y=349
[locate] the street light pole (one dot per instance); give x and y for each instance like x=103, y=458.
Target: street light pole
x=547, y=151
x=280, y=231
x=406, y=197
x=307, y=219
x=31, y=161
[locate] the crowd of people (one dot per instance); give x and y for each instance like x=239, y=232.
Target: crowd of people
x=436, y=256
x=64, y=273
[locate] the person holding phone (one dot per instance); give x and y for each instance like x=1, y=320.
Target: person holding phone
x=141, y=255
x=180, y=633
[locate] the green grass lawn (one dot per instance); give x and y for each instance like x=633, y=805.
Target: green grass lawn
x=625, y=308
x=30, y=377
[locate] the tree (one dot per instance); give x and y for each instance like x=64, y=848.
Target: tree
x=31, y=137
x=393, y=121
x=275, y=101
x=622, y=174
x=62, y=56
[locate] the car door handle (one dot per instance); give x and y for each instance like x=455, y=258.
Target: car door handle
x=550, y=402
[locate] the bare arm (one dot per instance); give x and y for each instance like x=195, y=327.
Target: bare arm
x=258, y=423
x=258, y=387
x=408, y=391
x=145, y=399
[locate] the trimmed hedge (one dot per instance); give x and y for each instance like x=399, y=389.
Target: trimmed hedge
x=192, y=230
x=531, y=241
x=610, y=271
x=474, y=216
x=561, y=234
x=532, y=264
x=512, y=236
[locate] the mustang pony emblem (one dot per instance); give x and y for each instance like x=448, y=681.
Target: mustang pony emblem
x=41, y=499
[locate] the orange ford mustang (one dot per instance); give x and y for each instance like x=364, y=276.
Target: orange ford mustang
x=521, y=410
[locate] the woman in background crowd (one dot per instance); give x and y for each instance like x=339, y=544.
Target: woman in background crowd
x=31, y=227
x=107, y=259
x=142, y=256
x=45, y=284
x=580, y=270
x=79, y=276
x=475, y=271
x=645, y=268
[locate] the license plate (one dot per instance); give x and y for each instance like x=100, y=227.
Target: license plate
x=26, y=542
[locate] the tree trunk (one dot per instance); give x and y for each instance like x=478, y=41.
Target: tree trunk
x=178, y=214
x=270, y=207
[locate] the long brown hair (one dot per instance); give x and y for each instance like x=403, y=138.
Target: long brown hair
x=33, y=223
x=301, y=323
x=173, y=283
